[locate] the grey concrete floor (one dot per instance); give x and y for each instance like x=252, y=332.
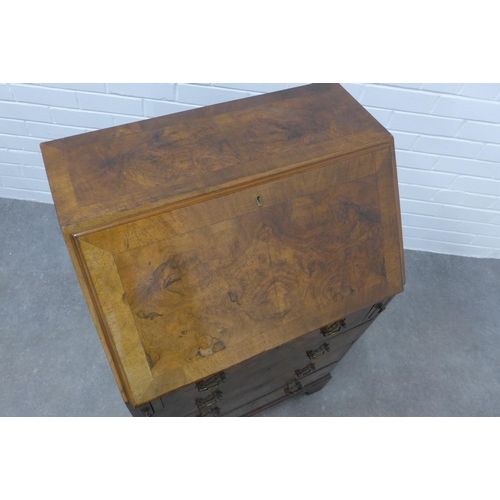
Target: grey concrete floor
x=435, y=351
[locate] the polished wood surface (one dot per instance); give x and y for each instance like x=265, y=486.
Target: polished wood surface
x=218, y=282
x=151, y=163
x=207, y=238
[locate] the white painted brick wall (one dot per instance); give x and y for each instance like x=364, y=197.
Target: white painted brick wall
x=447, y=144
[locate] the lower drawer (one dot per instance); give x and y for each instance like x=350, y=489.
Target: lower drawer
x=296, y=369
x=278, y=395
x=268, y=368
x=298, y=366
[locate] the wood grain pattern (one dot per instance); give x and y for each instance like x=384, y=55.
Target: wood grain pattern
x=325, y=246
x=214, y=283
x=195, y=294
x=210, y=237
x=119, y=320
x=130, y=168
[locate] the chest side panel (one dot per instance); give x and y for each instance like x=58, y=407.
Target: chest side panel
x=191, y=291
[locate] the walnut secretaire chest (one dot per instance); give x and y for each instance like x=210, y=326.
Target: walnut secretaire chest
x=230, y=255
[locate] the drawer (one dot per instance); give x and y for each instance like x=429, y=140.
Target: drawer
x=249, y=386
x=266, y=394
x=279, y=394
x=298, y=367
x=301, y=366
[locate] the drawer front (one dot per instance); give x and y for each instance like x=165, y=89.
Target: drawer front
x=301, y=366
x=285, y=391
x=296, y=368
x=250, y=386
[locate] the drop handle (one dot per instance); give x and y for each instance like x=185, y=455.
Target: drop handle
x=328, y=331
x=211, y=382
x=213, y=411
x=215, y=397
x=293, y=387
x=303, y=372
x=320, y=351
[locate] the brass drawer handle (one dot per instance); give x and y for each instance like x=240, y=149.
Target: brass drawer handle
x=316, y=353
x=306, y=370
x=293, y=387
x=376, y=310
x=328, y=331
x=210, y=382
x=209, y=412
x=209, y=400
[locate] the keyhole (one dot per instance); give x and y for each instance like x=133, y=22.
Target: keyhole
x=259, y=200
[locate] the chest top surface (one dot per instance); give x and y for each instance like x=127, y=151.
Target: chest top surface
x=105, y=173
x=208, y=237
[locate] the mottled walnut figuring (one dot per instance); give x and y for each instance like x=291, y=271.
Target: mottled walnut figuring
x=209, y=237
